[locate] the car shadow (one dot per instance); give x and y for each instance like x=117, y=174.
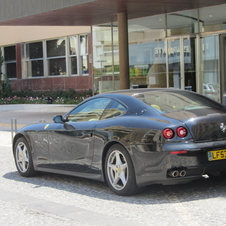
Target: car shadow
x=203, y=188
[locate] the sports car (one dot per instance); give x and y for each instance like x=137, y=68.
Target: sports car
x=130, y=139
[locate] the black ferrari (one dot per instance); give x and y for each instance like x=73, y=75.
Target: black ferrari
x=130, y=139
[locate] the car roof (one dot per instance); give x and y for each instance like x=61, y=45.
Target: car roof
x=131, y=92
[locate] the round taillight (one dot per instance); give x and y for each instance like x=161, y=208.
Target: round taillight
x=168, y=133
x=181, y=132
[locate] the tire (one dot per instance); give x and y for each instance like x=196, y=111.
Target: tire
x=119, y=171
x=23, y=159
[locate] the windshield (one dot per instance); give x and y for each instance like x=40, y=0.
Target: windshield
x=169, y=101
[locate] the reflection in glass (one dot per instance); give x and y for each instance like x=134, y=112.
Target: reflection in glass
x=11, y=70
x=210, y=67
x=84, y=61
x=10, y=61
x=56, y=47
x=10, y=53
x=145, y=29
x=189, y=63
x=174, y=63
x=185, y=22
x=83, y=44
x=34, y=50
x=57, y=66
x=147, y=66
x=74, y=69
x=212, y=18
x=105, y=58
x=35, y=68
x=73, y=45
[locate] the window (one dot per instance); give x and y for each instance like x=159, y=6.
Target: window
x=73, y=54
x=105, y=57
x=212, y=18
x=175, y=101
x=115, y=109
x=89, y=111
x=84, y=53
x=10, y=61
x=184, y=22
x=56, y=55
x=34, y=59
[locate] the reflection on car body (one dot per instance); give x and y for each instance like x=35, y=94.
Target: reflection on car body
x=130, y=139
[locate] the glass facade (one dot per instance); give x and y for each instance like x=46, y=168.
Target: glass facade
x=105, y=58
x=210, y=74
x=177, y=50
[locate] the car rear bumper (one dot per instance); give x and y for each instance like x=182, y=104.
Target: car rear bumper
x=162, y=167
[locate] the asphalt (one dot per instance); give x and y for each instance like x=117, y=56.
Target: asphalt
x=26, y=114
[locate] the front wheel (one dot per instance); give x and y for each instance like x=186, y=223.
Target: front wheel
x=23, y=159
x=119, y=171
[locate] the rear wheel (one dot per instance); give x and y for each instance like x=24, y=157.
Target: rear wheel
x=23, y=159
x=119, y=171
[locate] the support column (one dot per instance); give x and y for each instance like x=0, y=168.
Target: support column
x=123, y=50
x=18, y=61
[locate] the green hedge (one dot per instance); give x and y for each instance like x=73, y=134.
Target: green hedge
x=42, y=97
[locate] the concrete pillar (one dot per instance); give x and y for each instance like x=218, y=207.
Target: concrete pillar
x=123, y=50
x=18, y=61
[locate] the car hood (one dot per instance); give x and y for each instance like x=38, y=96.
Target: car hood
x=203, y=124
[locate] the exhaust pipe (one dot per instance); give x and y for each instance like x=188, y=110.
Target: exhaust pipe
x=177, y=173
x=174, y=173
x=182, y=173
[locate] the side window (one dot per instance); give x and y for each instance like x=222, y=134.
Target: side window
x=113, y=110
x=89, y=111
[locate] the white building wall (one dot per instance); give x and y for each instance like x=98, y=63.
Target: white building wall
x=18, y=34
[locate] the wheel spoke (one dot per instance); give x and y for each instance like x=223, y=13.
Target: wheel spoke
x=118, y=159
x=117, y=170
x=111, y=166
x=116, y=179
x=22, y=157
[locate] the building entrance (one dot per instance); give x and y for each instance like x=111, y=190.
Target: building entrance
x=182, y=63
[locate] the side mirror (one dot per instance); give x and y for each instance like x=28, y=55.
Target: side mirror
x=58, y=119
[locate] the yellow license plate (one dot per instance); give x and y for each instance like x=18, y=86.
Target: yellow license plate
x=217, y=155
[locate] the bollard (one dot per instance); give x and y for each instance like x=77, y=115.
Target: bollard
x=13, y=127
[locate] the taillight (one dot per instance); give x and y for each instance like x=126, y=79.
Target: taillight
x=168, y=133
x=181, y=132
x=178, y=152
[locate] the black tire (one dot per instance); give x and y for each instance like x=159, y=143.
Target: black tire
x=119, y=171
x=23, y=158
x=218, y=176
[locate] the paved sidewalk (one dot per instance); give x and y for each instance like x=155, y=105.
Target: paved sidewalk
x=5, y=138
x=50, y=199
x=26, y=114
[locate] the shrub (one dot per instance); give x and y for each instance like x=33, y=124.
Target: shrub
x=42, y=97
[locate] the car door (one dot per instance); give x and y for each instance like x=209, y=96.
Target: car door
x=71, y=143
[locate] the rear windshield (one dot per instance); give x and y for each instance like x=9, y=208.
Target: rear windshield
x=169, y=101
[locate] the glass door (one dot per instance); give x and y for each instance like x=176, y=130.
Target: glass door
x=174, y=63
x=210, y=73
x=182, y=63
x=189, y=63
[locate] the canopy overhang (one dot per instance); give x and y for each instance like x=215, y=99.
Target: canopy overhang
x=88, y=12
